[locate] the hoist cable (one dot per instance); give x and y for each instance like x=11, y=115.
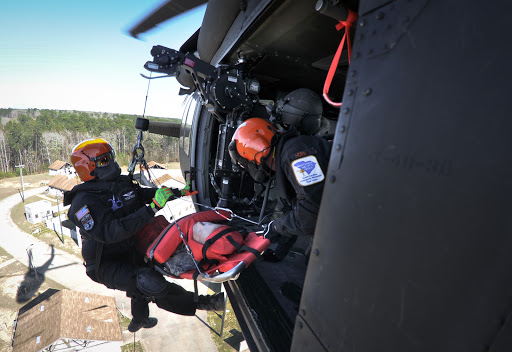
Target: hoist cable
x=147, y=93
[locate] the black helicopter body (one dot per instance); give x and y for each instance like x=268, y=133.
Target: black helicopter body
x=412, y=246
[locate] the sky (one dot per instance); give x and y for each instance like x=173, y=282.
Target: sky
x=77, y=55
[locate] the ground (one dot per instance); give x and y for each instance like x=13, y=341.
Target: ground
x=41, y=232
x=18, y=285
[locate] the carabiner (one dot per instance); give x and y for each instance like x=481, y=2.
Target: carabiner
x=226, y=210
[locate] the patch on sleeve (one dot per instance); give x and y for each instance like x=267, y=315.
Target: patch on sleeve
x=84, y=216
x=307, y=171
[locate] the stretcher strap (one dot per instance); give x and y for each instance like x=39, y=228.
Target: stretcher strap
x=212, y=240
x=243, y=248
x=352, y=16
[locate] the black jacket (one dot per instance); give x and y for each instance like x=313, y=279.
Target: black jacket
x=109, y=213
x=301, y=169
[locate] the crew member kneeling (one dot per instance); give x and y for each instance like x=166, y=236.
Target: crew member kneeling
x=296, y=157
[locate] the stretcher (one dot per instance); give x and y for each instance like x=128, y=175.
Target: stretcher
x=225, y=254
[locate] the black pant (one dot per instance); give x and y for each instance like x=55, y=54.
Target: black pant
x=120, y=275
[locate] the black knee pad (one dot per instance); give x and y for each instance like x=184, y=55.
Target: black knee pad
x=151, y=283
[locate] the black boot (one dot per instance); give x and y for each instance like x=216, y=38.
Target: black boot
x=213, y=302
x=147, y=323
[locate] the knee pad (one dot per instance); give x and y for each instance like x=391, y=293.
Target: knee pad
x=151, y=283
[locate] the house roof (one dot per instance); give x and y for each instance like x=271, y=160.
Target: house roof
x=160, y=180
x=155, y=165
x=67, y=314
x=40, y=204
x=57, y=165
x=61, y=182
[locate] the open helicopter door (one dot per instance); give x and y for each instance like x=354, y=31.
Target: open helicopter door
x=413, y=241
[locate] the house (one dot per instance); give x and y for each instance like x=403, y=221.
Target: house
x=38, y=211
x=60, y=168
x=159, y=182
x=155, y=165
x=159, y=178
x=61, y=183
x=68, y=321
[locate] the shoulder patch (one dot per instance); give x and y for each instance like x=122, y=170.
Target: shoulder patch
x=82, y=212
x=84, y=216
x=307, y=171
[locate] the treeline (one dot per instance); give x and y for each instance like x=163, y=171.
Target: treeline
x=37, y=138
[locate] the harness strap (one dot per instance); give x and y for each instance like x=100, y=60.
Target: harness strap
x=99, y=252
x=196, y=294
x=347, y=24
x=284, y=188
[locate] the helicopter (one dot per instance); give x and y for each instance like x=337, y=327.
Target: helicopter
x=411, y=248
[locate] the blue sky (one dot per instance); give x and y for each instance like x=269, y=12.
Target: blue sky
x=76, y=55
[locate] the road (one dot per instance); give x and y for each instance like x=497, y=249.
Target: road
x=172, y=333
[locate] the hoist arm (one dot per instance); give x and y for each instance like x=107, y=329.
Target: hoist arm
x=163, y=128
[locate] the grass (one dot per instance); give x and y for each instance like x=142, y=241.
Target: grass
x=130, y=348
x=232, y=335
x=123, y=321
x=12, y=185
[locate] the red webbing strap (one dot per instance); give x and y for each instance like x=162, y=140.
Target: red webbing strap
x=352, y=16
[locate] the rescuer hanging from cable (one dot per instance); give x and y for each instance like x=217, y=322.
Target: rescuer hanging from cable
x=109, y=208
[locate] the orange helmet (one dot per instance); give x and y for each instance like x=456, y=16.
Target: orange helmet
x=251, y=145
x=90, y=154
x=253, y=139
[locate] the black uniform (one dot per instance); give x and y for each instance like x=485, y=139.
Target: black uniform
x=301, y=167
x=109, y=214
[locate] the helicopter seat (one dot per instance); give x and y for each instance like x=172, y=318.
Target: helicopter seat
x=202, y=246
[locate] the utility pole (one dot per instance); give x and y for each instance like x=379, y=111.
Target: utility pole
x=21, y=166
x=58, y=216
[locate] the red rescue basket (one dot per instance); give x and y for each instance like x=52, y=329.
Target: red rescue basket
x=226, y=252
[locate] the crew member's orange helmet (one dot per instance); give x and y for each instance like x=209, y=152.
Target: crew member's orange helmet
x=252, y=141
x=251, y=146
x=90, y=154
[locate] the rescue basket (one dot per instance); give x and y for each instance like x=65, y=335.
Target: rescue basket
x=225, y=253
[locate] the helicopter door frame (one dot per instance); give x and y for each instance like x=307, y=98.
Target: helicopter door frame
x=189, y=111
